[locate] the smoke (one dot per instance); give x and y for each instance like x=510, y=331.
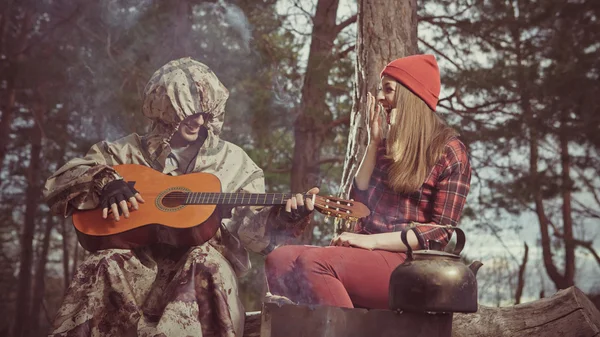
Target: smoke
x=285, y=95
x=123, y=14
x=136, y=37
x=234, y=17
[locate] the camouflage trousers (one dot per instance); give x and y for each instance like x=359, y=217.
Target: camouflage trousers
x=157, y=291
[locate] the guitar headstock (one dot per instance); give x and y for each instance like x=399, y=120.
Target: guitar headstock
x=341, y=208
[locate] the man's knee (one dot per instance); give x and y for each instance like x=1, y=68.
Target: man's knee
x=106, y=262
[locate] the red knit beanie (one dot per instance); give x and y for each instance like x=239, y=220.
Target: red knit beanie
x=420, y=74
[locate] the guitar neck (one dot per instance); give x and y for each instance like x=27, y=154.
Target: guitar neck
x=238, y=199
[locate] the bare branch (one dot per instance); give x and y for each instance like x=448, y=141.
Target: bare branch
x=342, y=54
x=585, y=244
x=342, y=25
x=304, y=11
x=585, y=210
x=499, y=237
x=437, y=19
x=278, y=170
x=521, y=280
x=339, y=159
x=487, y=106
x=345, y=120
x=589, y=185
x=439, y=52
x=588, y=245
x=450, y=17
x=292, y=29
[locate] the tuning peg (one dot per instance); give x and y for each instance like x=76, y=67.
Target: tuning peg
x=347, y=225
x=327, y=219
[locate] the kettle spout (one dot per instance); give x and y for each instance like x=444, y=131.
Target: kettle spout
x=475, y=267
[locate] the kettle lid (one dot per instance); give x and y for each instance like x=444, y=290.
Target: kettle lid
x=430, y=252
x=435, y=249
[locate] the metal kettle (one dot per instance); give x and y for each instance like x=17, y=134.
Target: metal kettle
x=434, y=280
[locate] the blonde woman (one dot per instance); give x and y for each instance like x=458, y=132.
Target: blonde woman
x=420, y=173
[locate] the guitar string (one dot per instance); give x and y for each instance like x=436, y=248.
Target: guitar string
x=211, y=195
x=242, y=195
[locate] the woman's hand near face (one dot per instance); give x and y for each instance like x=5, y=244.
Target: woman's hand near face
x=375, y=134
x=375, y=119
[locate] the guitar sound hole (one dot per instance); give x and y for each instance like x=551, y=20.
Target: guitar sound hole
x=174, y=199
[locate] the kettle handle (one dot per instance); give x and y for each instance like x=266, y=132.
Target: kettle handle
x=460, y=239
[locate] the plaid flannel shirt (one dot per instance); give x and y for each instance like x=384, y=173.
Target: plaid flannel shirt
x=439, y=200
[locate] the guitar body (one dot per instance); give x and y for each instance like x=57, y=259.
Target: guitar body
x=156, y=221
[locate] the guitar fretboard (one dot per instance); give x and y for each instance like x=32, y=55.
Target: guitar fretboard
x=252, y=199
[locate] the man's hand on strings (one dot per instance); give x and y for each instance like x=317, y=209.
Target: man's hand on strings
x=298, y=207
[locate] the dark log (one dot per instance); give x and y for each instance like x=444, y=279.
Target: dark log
x=252, y=326
x=568, y=313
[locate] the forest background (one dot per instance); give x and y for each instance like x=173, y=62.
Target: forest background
x=520, y=82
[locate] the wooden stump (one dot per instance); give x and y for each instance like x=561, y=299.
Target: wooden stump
x=569, y=313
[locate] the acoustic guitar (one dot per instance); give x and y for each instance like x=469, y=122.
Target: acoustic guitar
x=182, y=210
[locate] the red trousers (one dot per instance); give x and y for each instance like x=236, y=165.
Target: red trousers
x=336, y=276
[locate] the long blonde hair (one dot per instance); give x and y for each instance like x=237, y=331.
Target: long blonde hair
x=415, y=141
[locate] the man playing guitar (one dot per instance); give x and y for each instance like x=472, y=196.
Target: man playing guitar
x=165, y=289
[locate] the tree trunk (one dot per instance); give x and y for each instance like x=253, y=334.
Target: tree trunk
x=568, y=313
x=560, y=281
x=387, y=30
x=40, y=274
x=65, y=247
x=183, y=28
x=308, y=127
x=33, y=193
x=7, y=113
x=567, y=186
x=8, y=106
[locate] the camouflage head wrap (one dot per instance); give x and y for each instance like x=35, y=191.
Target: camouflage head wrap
x=179, y=89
